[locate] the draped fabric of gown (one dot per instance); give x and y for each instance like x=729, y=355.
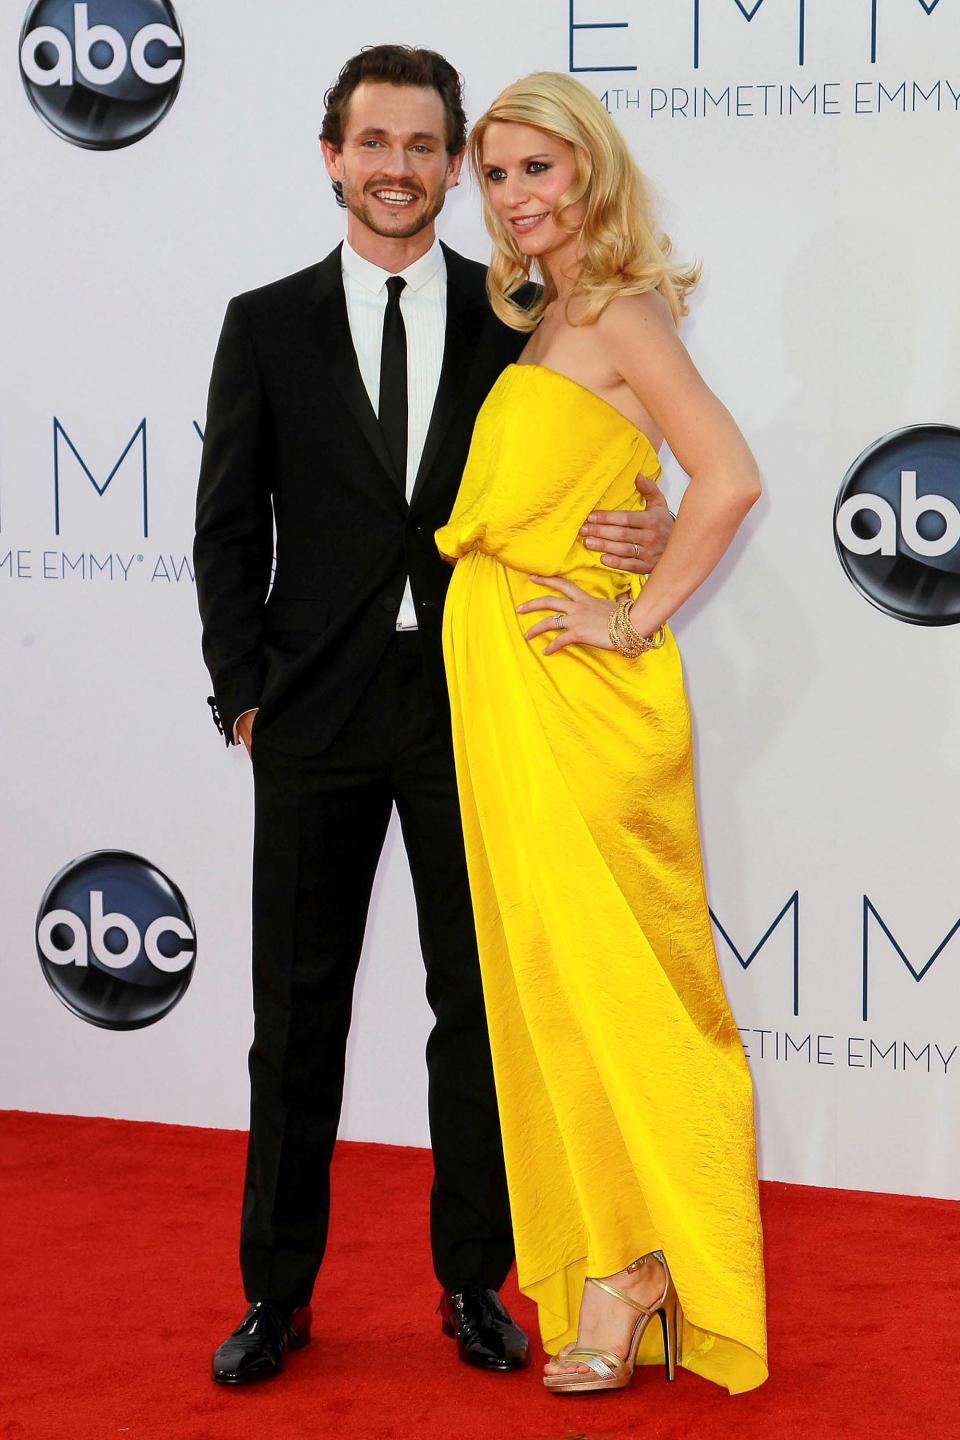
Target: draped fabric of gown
x=625, y=1099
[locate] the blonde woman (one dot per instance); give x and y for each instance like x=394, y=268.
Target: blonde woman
x=625, y=1099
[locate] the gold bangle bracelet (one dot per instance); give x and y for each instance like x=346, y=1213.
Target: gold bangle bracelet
x=624, y=636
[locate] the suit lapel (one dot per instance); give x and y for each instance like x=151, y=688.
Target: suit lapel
x=466, y=306
x=334, y=332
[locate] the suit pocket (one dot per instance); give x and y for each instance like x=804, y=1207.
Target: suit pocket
x=296, y=614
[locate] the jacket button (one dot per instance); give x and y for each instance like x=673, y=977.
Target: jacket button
x=390, y=602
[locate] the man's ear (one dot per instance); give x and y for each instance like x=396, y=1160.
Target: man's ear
x=332, y=159
x=454, y=167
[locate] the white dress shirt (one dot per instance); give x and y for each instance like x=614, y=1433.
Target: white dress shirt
x=423, y=305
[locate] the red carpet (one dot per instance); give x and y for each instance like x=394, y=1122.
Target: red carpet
x=120, y=1277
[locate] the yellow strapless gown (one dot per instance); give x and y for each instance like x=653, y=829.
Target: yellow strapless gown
x=625, y=1098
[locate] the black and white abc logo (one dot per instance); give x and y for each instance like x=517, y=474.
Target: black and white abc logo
x=897, y=524
x=103, y=74
x=116, y=940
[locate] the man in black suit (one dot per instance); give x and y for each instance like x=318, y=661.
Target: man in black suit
x=341, y=406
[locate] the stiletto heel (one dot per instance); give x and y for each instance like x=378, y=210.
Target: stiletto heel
x=607, y=1370
x=670, y=1325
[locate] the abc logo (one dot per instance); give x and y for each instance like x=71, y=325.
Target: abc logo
x=101, y=74
x=116, y=940
x=897, y=524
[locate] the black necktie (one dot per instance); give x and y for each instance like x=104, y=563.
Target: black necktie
x=393, y=381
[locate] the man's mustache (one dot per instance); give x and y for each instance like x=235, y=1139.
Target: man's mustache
x=384, y=184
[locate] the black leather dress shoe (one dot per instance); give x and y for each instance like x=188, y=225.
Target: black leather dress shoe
x=484, y=1332
x=259, y=1345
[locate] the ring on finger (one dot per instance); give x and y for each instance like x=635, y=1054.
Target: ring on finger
x=559, y=621
x=636, y=549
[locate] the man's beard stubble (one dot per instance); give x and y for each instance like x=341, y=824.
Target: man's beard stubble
x=356, y=203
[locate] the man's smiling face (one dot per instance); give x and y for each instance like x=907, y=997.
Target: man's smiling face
x=394, y=165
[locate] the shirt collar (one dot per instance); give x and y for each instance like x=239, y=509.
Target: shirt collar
x=372, y=278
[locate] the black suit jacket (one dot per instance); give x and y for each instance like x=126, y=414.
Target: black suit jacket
x=291, y=439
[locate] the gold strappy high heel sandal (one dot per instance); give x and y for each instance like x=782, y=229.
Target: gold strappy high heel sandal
x=608, y=1371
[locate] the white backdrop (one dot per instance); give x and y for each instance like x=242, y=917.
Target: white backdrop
x=826, y=730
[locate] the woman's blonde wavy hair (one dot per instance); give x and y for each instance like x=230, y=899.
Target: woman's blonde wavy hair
x=621, y=250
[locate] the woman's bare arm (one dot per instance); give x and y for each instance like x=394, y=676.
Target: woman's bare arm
x=640, y=340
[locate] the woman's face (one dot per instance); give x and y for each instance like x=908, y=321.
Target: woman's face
x=526, y=171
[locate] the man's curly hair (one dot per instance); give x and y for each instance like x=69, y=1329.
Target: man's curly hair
x=395, y=65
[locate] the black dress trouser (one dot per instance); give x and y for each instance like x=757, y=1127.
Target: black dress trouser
x=319, y=830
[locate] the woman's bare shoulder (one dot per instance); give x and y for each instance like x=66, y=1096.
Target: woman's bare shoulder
x=638, y=335
x=628, y=314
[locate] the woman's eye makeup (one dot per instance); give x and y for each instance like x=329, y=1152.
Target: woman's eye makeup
x=533, y=167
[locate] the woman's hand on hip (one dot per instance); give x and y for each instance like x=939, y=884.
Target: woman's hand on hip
x=575, y=617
